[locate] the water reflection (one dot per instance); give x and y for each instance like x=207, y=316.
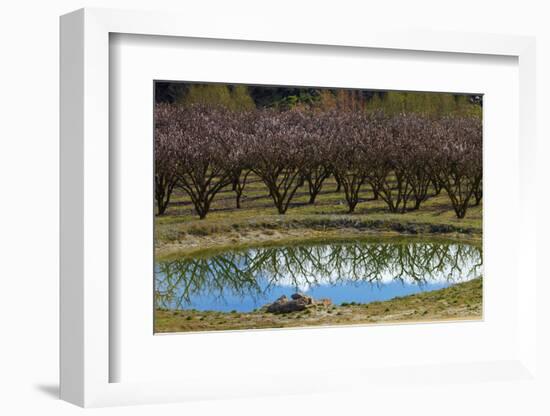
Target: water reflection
x=343, y=271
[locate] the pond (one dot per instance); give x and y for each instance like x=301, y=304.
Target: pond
x=343, y=271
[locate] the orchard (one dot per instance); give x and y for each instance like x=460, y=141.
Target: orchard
x=402, y=159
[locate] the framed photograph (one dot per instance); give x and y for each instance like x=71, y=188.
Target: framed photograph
x=235, y=208
x=284, y=207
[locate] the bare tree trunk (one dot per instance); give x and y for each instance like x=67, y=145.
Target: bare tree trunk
x=352, y=186
x=478, y=193
x=338, y=183
x=437, y=186
x=238, y=186
x=315, y=179
x=163, y=191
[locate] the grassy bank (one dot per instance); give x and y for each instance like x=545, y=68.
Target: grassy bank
x=257, y=222
x=462, y=301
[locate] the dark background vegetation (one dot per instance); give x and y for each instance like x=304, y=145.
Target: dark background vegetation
x=247, y=97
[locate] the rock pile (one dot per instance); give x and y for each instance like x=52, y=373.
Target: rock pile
x=297, y=302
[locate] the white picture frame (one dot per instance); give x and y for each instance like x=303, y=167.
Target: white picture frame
x=86, y=353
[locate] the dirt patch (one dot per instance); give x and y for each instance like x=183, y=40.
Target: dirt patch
x=197, y=244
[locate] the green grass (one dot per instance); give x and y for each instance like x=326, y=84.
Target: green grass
x=462, y=301
x=180, y=229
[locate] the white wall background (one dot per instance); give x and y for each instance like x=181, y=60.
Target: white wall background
x=29, y=200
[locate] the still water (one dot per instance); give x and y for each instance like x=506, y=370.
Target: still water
x=352, y=271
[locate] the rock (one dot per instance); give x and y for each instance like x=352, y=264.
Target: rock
x=288, y=306
x=324, y=302
x=278, y=305
x=299, y=302
x=298, y=296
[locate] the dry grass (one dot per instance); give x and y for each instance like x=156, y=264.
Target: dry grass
x=462, y=301
x=258, y=222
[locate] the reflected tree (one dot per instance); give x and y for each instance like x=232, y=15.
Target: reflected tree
x=254, y=272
